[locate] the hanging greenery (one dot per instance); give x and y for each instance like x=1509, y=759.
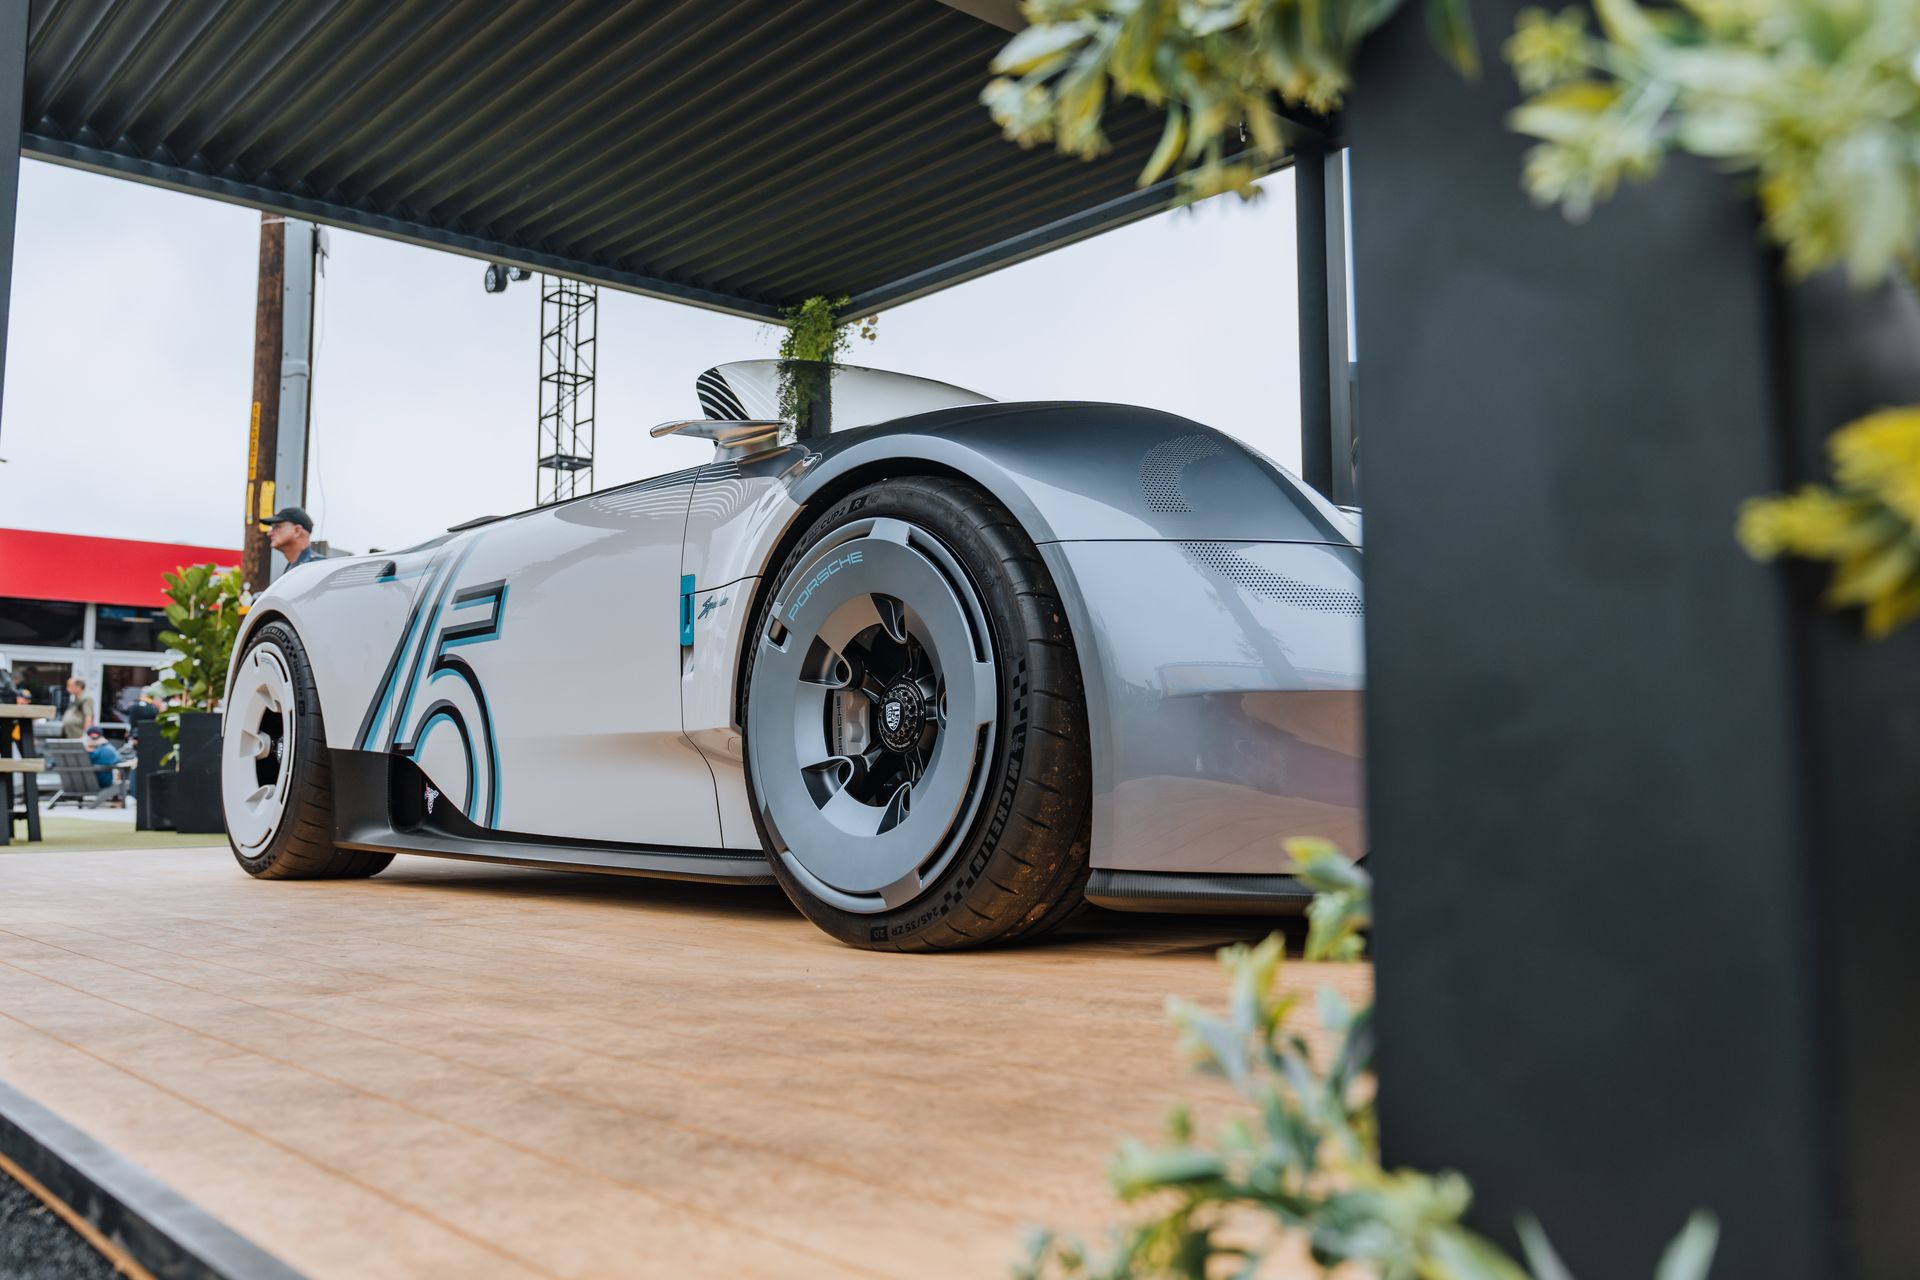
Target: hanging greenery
x=815, y=339
x=1219, y=68
x=1302, y=1157
x=814, y=331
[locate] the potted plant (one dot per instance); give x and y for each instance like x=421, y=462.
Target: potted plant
x=204, y=611
x=809, y=352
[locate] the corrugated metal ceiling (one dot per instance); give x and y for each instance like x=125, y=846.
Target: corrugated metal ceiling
x=740, y=155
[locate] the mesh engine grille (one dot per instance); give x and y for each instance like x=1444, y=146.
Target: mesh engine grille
x=1238, y=569
x=1161, y=467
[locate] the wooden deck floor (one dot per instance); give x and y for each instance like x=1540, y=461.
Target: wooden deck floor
x=454, y=1070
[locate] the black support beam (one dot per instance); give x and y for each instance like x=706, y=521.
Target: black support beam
x=13, y=88
x=1310, y=161
x=1004, y=14
x=1643, y=812
x=1343, y=429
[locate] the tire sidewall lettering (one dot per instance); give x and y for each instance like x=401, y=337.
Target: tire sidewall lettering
x=963, y=876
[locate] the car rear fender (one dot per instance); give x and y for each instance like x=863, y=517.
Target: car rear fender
x=1214, y=601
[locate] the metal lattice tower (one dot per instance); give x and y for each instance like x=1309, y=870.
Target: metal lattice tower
x=569, y=332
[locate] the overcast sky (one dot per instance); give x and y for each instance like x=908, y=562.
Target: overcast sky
x=130, y=356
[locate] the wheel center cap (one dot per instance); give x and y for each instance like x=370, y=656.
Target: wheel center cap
x=903, y=713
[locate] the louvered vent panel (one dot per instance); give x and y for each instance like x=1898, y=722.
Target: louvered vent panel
x=356, y=574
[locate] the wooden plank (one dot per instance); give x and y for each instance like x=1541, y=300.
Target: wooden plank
x=502, y=1072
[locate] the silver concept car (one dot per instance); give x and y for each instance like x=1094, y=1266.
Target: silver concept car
x=945, y=673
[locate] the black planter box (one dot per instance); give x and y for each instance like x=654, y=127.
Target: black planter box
x=155, y=800
x=196, y=782
x=150, y=813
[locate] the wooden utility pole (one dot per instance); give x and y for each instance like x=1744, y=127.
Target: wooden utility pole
x=263, y=435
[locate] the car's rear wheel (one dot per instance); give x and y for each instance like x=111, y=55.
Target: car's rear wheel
x=915, y=728
x=276, y=781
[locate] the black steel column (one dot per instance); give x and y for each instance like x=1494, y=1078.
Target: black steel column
x=13, y=90
x=1342, y=427
x=1644, y=818
x=1859, y=744
x=1310, y=252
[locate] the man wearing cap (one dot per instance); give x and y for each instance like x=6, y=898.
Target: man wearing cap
x=290, y=532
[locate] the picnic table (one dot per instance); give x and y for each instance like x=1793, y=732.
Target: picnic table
x=22, y=759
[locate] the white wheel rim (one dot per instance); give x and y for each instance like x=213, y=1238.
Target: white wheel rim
x=256, y=752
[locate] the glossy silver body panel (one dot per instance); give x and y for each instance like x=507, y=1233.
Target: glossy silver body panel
x=588, y=714
x=565, y=711
x=1214, y=602
x=740, y=511
x=1225, y=713
x=1074, y=472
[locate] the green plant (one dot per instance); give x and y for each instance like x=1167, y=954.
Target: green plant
x=1868, y=525
x=1820, y=102
x=1303, y=1158
x=204, y=612
x=1217, y=67
x=816, y=337
x=1818, y=99
x=814, y=331
x=1342, y=906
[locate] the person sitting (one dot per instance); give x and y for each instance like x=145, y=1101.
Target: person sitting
x=101, y=753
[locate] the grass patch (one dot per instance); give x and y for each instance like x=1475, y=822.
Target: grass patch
x=93, y=833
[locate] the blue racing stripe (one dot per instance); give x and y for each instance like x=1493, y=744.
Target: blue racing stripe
x=372, y=729
x=433, y=621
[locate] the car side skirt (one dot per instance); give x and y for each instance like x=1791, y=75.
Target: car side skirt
x=380, y=806
x=1193, y=893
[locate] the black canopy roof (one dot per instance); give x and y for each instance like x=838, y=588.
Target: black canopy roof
x=739, y=155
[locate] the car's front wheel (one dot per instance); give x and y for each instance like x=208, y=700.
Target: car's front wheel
x=915, y=727
x=276, y=781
